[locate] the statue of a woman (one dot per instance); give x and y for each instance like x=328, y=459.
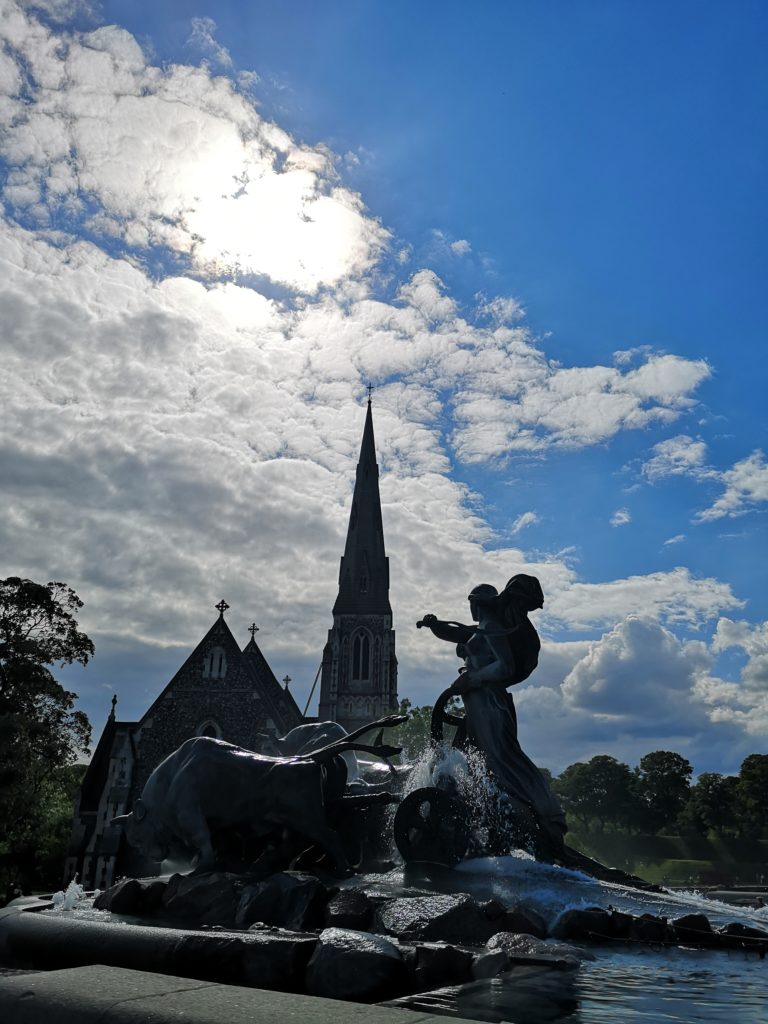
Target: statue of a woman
x=498, y=652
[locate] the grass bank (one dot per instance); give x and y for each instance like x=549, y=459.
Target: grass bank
x=679, y=860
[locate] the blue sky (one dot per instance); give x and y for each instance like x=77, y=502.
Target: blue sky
x=536, y=228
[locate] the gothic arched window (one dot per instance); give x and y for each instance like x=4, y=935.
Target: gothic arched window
x=210, y=729
x=361, y=657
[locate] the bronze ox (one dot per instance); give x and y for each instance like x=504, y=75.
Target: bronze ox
x=208, y=785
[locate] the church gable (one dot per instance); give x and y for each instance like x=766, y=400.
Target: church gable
x=214, y=694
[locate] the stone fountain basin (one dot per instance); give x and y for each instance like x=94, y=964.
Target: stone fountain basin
x=351, y=944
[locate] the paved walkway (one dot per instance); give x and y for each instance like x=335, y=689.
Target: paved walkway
x=114, y=995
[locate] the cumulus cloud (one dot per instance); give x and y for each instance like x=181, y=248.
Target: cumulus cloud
x=460, y=247
x=744, y=703
x=638, y=668
x=636, y=689
x=621, y=517
x=677, y=539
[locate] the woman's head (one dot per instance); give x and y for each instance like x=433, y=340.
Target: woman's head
x=482, y=595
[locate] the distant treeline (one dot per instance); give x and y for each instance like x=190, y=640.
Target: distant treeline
x=657, y=796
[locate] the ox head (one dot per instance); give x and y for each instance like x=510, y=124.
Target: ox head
x=142, y=832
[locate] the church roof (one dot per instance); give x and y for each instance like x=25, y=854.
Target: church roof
x=364, y=569
x=280, y=705
x=219, y=634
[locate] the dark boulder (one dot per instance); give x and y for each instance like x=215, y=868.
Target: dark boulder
x=694, y=930
x=350, y=908
x=527, y=949
x=288, y=899
x=277, y=959
x=203, y=899
x=489, y=964
x=524, y=921
x=133, y=896
x=741, y=936
x=355, y=965
x=439, y=963
x=621, y=925
x=515, y=919
x=649, y=928
x=457, y=918
x=592, y=924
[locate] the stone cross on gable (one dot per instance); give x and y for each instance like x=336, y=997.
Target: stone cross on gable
x=370, y=392
x=222, y=607
x=253, y=629
x=287, y=679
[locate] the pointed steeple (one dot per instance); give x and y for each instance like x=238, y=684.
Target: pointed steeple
x=359, y=671
x=364, y=570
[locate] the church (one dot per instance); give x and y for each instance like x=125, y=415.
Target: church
x=231, y=693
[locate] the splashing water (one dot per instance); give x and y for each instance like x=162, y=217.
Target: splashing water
x=464, y=774
x=72, y=897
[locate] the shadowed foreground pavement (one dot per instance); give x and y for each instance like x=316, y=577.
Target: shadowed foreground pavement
x=114, y=995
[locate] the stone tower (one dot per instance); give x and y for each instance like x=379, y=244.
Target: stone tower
x=359, y=672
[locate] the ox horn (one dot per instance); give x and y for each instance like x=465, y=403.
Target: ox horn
x=120, y=819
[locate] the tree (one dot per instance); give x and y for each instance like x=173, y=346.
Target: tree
x=600, y=789
x=752, y=791
x=663, y=781
x=414, y=735
x=712, y=805
x=40, y=732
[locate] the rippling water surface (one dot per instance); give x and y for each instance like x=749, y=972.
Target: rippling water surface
x=625, y=984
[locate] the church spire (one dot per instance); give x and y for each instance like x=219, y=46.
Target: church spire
x=359, y=670
x=364, y=570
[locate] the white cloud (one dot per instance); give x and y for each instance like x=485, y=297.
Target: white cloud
x=526, y=519
x=677, y=539
x=175, y=158
x=636, y=689
x=637, y=670
x=746, y=485
x=501, y=309
x=203, y=39
x=676, y=597
x=623, y=357
x=460, y=247
x=744, y=703
x=677, y=456
x=514, y=400
x=621, y=517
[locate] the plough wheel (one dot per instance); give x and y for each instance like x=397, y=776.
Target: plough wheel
x=430, y=826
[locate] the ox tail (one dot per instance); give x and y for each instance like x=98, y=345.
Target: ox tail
x=349, y=742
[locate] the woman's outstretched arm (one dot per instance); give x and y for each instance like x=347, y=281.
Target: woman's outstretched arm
x=453, y=632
